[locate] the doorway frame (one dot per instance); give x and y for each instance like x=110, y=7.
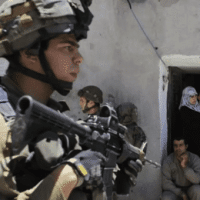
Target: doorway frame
x=184, y=62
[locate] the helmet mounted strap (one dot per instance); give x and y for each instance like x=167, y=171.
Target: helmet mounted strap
x=28, y=72
x=62, y=87
x=86, y=109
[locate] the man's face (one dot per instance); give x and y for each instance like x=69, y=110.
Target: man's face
x=179, y=147
x=193, y=99
x=83, y=102
x=63, y=57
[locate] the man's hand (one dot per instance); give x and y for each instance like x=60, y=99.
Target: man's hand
x=184, y=160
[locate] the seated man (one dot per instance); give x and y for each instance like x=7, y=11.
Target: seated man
x=181, y=173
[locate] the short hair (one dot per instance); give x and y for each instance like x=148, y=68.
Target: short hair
x=180, y=138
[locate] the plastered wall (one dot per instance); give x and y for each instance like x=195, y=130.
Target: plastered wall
x=121, y=61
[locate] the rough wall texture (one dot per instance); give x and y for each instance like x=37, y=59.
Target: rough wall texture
x=120, y=60
x=126, y=65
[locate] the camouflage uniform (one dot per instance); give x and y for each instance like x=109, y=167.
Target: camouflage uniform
x=24, y=24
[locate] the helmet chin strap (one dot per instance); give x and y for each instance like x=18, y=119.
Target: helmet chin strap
x=86, y=109
x=63, y=87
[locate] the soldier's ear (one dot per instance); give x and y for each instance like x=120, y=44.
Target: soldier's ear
x=26, y=54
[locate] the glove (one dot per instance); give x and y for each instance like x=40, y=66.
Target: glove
x=126, y=177
x=88, y=164
x=132, y=168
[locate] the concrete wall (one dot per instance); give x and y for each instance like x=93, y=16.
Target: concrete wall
x=121, y=61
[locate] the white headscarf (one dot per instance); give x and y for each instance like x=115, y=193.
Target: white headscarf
x=188, y=92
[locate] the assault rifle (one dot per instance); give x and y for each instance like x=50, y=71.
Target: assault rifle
x=103, y=134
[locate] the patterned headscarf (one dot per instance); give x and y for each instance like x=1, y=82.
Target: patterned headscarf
x=188, y=92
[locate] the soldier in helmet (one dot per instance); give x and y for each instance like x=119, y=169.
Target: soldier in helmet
x=127, y=114
x=40, y=39
x=90, y=99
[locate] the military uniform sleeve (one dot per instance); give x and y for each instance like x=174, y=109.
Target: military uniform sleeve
x=57, y=185
x=192, y=173
x=167, y=183
x=7, y=182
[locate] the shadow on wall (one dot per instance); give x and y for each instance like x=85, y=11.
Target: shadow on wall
x=124, y=2
x=137, y=1
x=164, y=3
x=167, y=3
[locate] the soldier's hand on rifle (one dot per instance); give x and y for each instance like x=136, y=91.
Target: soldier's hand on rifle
x=132, y=168
x=88, y=164
x=127, y=175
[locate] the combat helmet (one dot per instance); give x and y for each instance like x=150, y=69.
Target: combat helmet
x=91, y=93
x=25, y=23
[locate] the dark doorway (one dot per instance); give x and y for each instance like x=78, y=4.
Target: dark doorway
x=178, y=80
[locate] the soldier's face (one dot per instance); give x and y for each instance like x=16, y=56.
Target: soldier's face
x=83, y=102
x=63, y=57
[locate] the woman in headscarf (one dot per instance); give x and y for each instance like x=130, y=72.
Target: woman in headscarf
x=190, y=116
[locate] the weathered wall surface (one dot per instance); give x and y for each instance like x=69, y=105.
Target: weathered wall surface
x=120, y=60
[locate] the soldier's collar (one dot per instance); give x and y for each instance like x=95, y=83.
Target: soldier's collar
x=14, y=93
